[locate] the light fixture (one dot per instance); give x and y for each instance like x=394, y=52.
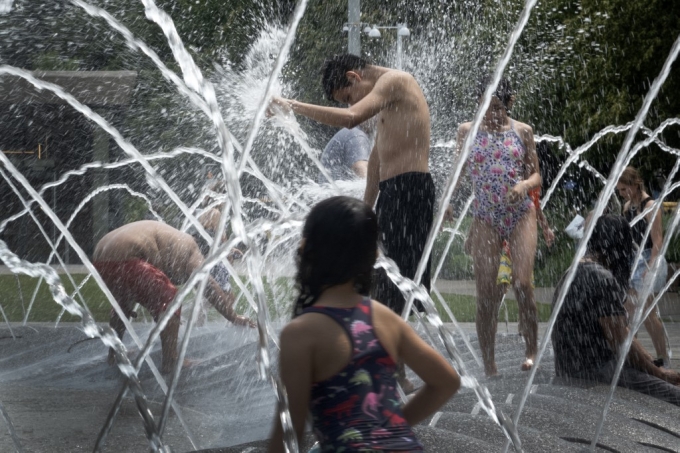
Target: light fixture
x=402, y=30
x=367, y=29
x=345, y=29
x=5, y=6
x=374, y=33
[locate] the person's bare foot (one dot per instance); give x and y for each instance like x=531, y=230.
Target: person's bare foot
x=111, y=359
x=527, y=364
x=491, y=370
x=187, y=363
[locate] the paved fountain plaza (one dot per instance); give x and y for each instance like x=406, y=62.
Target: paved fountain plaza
x=56, y=391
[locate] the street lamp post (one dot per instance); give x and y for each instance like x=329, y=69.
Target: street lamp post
x=353, y=27
x=402, y=32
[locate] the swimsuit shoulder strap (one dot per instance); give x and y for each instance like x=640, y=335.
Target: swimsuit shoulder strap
x=514, y=131
x=348, y=318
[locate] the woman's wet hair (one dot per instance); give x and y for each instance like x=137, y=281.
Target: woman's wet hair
x=503, y=90
x=340, y=244
x=631, y=177
x=334, y=72
x=611, y=244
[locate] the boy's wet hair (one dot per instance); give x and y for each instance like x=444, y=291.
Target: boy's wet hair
x=612, y=245
x=334, y=72
x=503, y=90
x=340, y=244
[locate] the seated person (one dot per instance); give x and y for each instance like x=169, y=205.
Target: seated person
x=591, y=326
x=142, y=262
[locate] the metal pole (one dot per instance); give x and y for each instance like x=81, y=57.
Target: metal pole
x=354, y=25
x=399, y=63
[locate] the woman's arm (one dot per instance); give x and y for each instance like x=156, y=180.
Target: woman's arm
x=295, y=364
x=615, y=330
x=532, y=176
x=462, y=133
x=656, y=233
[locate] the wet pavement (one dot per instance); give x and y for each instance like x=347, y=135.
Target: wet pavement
x=57, y=393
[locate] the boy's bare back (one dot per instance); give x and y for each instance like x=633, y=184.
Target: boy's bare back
x=161, y=245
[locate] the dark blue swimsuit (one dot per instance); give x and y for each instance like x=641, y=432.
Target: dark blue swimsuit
x=358, y=409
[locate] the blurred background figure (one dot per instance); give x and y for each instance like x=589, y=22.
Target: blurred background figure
x=346, y=154
x=591, y=326
x=631, y=188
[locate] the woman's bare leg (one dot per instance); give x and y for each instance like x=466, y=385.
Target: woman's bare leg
x=653, y=323
x=486, y=251
x=523, y=251
x=655, y=330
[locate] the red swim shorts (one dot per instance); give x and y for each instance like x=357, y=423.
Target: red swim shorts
x=138, y=281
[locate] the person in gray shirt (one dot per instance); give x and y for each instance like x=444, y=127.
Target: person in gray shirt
x=346, y=155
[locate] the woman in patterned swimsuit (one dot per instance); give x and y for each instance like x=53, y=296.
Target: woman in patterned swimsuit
x=339, y=353
x=503, y=166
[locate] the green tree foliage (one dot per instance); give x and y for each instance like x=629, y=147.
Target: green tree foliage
x=598, y=69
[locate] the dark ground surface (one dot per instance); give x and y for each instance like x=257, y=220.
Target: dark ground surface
x=58, y=400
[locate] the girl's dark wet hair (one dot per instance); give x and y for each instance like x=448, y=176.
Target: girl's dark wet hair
x=334, y=72
x=503, y=90
x=340, y=244
x=612, y=245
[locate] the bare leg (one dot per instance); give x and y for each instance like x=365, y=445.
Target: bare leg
x=523, y=251
x=652, y=323
x=117, y=325
x=655, y=330
x=486, y=250
x=169, y=344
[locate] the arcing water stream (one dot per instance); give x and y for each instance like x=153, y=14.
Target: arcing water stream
x=288, y=206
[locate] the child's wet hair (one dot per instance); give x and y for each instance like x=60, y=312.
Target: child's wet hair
x=334, y=72
x=503, y=90
x=340, y=244
x=612, y=245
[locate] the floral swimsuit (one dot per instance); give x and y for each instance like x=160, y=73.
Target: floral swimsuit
x=358, y=409
x=496, y=165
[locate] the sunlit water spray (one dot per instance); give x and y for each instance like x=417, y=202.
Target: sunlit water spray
x=286, y=204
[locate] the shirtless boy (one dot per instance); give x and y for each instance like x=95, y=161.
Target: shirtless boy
x=142, y=262
x=398, y=166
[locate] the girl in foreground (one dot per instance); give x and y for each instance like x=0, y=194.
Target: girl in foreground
x=339, y=353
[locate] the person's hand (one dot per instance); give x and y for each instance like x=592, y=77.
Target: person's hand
x=517, y=194
x=549, y=237
x=240, y=320
x=279, y=106
x=467, y=246
x=672, y=377
x=235, y=254
x=448, y=214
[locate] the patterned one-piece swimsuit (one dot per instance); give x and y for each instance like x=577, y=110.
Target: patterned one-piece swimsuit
x=358, y=409
x=496, y=165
